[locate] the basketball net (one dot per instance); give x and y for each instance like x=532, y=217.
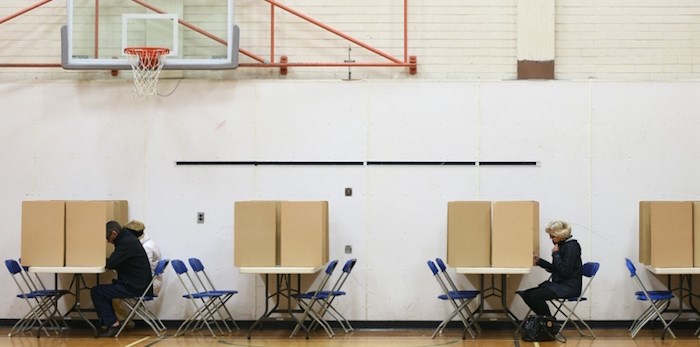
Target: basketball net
x=146, y=63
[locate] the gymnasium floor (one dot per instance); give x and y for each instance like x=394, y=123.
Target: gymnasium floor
x=359, y=338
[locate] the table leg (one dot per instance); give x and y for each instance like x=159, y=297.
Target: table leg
x=498, y=292
x=504, y=302
x=280, y=281
x=267, y=311
x=480, y=309
x=80, y=284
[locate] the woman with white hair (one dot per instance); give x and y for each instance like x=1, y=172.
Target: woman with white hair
x=566, y=269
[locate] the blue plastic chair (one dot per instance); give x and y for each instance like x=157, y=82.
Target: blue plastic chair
x=205, y=303
x=459, y=301
x=465, y=293
x=42, y=303
x=589, y=271
x=137, y=305
x=657, y=300
x=208, y=286
x=335, y=292
x=309, y=299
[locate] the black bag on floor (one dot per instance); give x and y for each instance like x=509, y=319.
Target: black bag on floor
x=540, y=328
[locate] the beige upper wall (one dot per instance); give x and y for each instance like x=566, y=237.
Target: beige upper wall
x=452, y=39
x=535, y=24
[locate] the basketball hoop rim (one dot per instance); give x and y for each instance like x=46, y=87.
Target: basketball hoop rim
x=145, y=57
x=143, y=50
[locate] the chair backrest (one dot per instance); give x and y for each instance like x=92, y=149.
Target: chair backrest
x=347, y=268
x=179, y=266
x=324, y=281
x=432, y=267
x=445, y=274
x=19, y=276
x=198, y=268
x=631, y=267
x=331, y=267
x=349, y=264
x=196, y=264
x=633, y=274
x=590, y=269
x=182, y=272
x=436, y=274
x=33, y=285
x=160, y=267
x=13, y=266
x=441, y=264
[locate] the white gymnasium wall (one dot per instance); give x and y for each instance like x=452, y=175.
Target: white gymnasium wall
x=601, y=147
x=452, y=39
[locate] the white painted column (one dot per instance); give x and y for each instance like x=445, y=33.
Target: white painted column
x=535, y=35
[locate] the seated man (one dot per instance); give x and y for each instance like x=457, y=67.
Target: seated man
x=133, y=275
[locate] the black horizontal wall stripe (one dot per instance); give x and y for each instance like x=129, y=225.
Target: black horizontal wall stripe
x=203, y=163
x=421, y=163
x=505, y=163
x=358, y=163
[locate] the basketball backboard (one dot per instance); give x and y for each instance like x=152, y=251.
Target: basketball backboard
x=200, y=34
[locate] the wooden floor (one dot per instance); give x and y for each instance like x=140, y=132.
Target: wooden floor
x=360, y=338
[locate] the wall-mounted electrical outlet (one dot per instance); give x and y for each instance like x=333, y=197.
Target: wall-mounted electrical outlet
x=200, y=217
x=348, y=191
x=348, y=249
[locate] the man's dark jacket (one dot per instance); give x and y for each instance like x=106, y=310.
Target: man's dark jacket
x=131, y=262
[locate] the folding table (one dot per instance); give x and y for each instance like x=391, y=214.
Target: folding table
x=684, y=289
x=493, y=289
x=284, y=287
x=76, y=285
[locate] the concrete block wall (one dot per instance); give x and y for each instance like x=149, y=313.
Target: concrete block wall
x=628, y=40
x=618, y=40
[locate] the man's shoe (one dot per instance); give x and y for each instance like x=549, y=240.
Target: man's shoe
x=111, y=332
x=130, y=324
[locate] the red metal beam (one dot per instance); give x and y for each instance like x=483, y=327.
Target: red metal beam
x=29, y=65
x=282, y=64
x=272, y=34
x=408, y=61
x=23, y=11
x=97, y=28
x=201, y=31
x=405, y=30
x=334, y=31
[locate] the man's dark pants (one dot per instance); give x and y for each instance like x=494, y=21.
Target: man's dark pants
x=102, y=296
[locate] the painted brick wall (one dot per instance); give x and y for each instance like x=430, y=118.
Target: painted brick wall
x=628, y=39
x=452, y=39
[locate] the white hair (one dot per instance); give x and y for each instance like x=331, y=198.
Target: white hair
x=559, y=228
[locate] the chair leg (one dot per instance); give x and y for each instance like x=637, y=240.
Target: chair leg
x=667, y=325
x=309, y=312
x=230, y=318
x=654, y=312
x=326, y=308
x=465, y=322
x=642, y=319
x=199, y=316
x=522, y=321
x=340, y=319
x=573, y=318
x=33, y=317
